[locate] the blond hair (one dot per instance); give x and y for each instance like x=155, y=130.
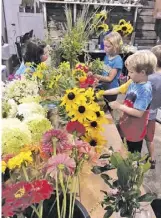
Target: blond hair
x=116, y=41
x=157, y=51
x=143, y=60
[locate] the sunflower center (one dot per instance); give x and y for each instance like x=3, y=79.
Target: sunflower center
x=93, y=143
x=94, y=124
x=98, y=114
x=71, y=96
x=81, y=109
x=121, y=23
x=124, y=28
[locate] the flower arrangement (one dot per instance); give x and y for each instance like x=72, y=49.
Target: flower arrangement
x=124, y=194
x=80, y=106
x=123, y=27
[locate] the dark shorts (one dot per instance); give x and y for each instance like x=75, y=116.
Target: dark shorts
x=109, y=98
x=150, y=131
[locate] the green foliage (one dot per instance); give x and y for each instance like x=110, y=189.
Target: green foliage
x=96, y=66
x=125, y=195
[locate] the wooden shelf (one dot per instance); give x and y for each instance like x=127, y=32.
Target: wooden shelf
x=92, y=3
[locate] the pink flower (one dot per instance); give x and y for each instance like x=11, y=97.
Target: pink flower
x=60, y=162
x=59, y=136
x=86, y=151
x=113, y=191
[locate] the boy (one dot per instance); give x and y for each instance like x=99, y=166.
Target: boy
x=136, y=105
x=155, y=80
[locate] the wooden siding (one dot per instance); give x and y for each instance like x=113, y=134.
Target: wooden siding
x=145, y=33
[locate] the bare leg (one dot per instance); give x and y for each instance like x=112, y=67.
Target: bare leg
x=150, y=146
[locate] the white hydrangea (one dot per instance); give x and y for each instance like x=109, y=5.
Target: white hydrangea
x=18, y=89
x=13, y=110
x=29, y=109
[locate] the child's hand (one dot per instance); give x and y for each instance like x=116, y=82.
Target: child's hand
x=96, y=82
x=114, y=105
x=97, y=76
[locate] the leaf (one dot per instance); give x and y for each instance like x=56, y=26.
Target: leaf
x=148, y=197
x=99, y=169
x=104, y=156
x=146, y=166
x=116, y=159
x=106, y=178
x=123, y=173
x=109, y=212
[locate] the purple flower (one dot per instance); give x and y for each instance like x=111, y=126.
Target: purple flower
x=13, y=76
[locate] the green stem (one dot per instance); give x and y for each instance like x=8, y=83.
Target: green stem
x=41, y=209
x=36, y=211
x=25, y=173
x=64, y=193
x=70, y=205
x=57, y=197
x=54, y=146
x=73, y=203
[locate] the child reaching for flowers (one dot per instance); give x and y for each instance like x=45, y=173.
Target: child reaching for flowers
x=137, y=101
x=113, y=65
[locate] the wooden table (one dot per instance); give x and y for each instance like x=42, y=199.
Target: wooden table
x=91, y=184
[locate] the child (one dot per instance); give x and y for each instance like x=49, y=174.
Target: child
x=133, y=122
x=113, y=64
x=34, y=53
x=155, y=80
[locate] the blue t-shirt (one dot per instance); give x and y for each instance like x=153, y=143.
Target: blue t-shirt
x=113, y=63
x=138, y=96
x=22, y=69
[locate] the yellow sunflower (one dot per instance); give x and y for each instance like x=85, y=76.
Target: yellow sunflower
x=72, y=97
x=122, y=22
x=95, y=140
x=103, y=27
x=93, y=126
x=42, y=66
x=126, y=28
x=89, y=93
x=101, y=117
x=102, y=14
x=82, y=112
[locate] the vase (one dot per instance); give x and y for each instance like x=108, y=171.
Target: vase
x=50, y=209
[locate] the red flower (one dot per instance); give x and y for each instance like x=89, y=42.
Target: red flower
x=75, y=126
x=88, y=82
x=21, y=195
x=39, y=190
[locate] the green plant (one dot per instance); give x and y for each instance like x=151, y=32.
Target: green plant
x=77, y=35
x=124, y=195
x=96, y=66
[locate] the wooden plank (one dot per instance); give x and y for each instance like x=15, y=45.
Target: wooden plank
x=146, y=19
x=142, y=26
x=146, y=34
x=148, y=12
x=145, y=42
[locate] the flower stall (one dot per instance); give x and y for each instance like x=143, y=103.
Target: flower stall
x=62, y=156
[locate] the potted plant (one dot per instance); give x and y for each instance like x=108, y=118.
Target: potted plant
x=123, y=195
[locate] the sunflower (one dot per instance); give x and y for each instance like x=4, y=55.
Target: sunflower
x=38, y=74
x=126, y=29
x=122, y=22
x=72, y=97
x=93, y=126
x=101, y=117
x=96, y=141
x=103, y=27
x=82, y=112
x=89, y=93
x=102, y=15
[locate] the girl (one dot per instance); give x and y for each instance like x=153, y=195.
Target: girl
x=34, y=53
x=113, y=65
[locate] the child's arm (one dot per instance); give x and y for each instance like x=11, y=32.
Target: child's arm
x=130, y=111
x=123, y=88
x=113, y=91
x=108, y=78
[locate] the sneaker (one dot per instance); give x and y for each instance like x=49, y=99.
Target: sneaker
x=153, y=163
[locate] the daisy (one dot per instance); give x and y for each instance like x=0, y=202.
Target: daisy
x=83, y=111
x=60, y=162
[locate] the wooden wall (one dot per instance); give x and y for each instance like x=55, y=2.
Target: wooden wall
x=145, y=33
